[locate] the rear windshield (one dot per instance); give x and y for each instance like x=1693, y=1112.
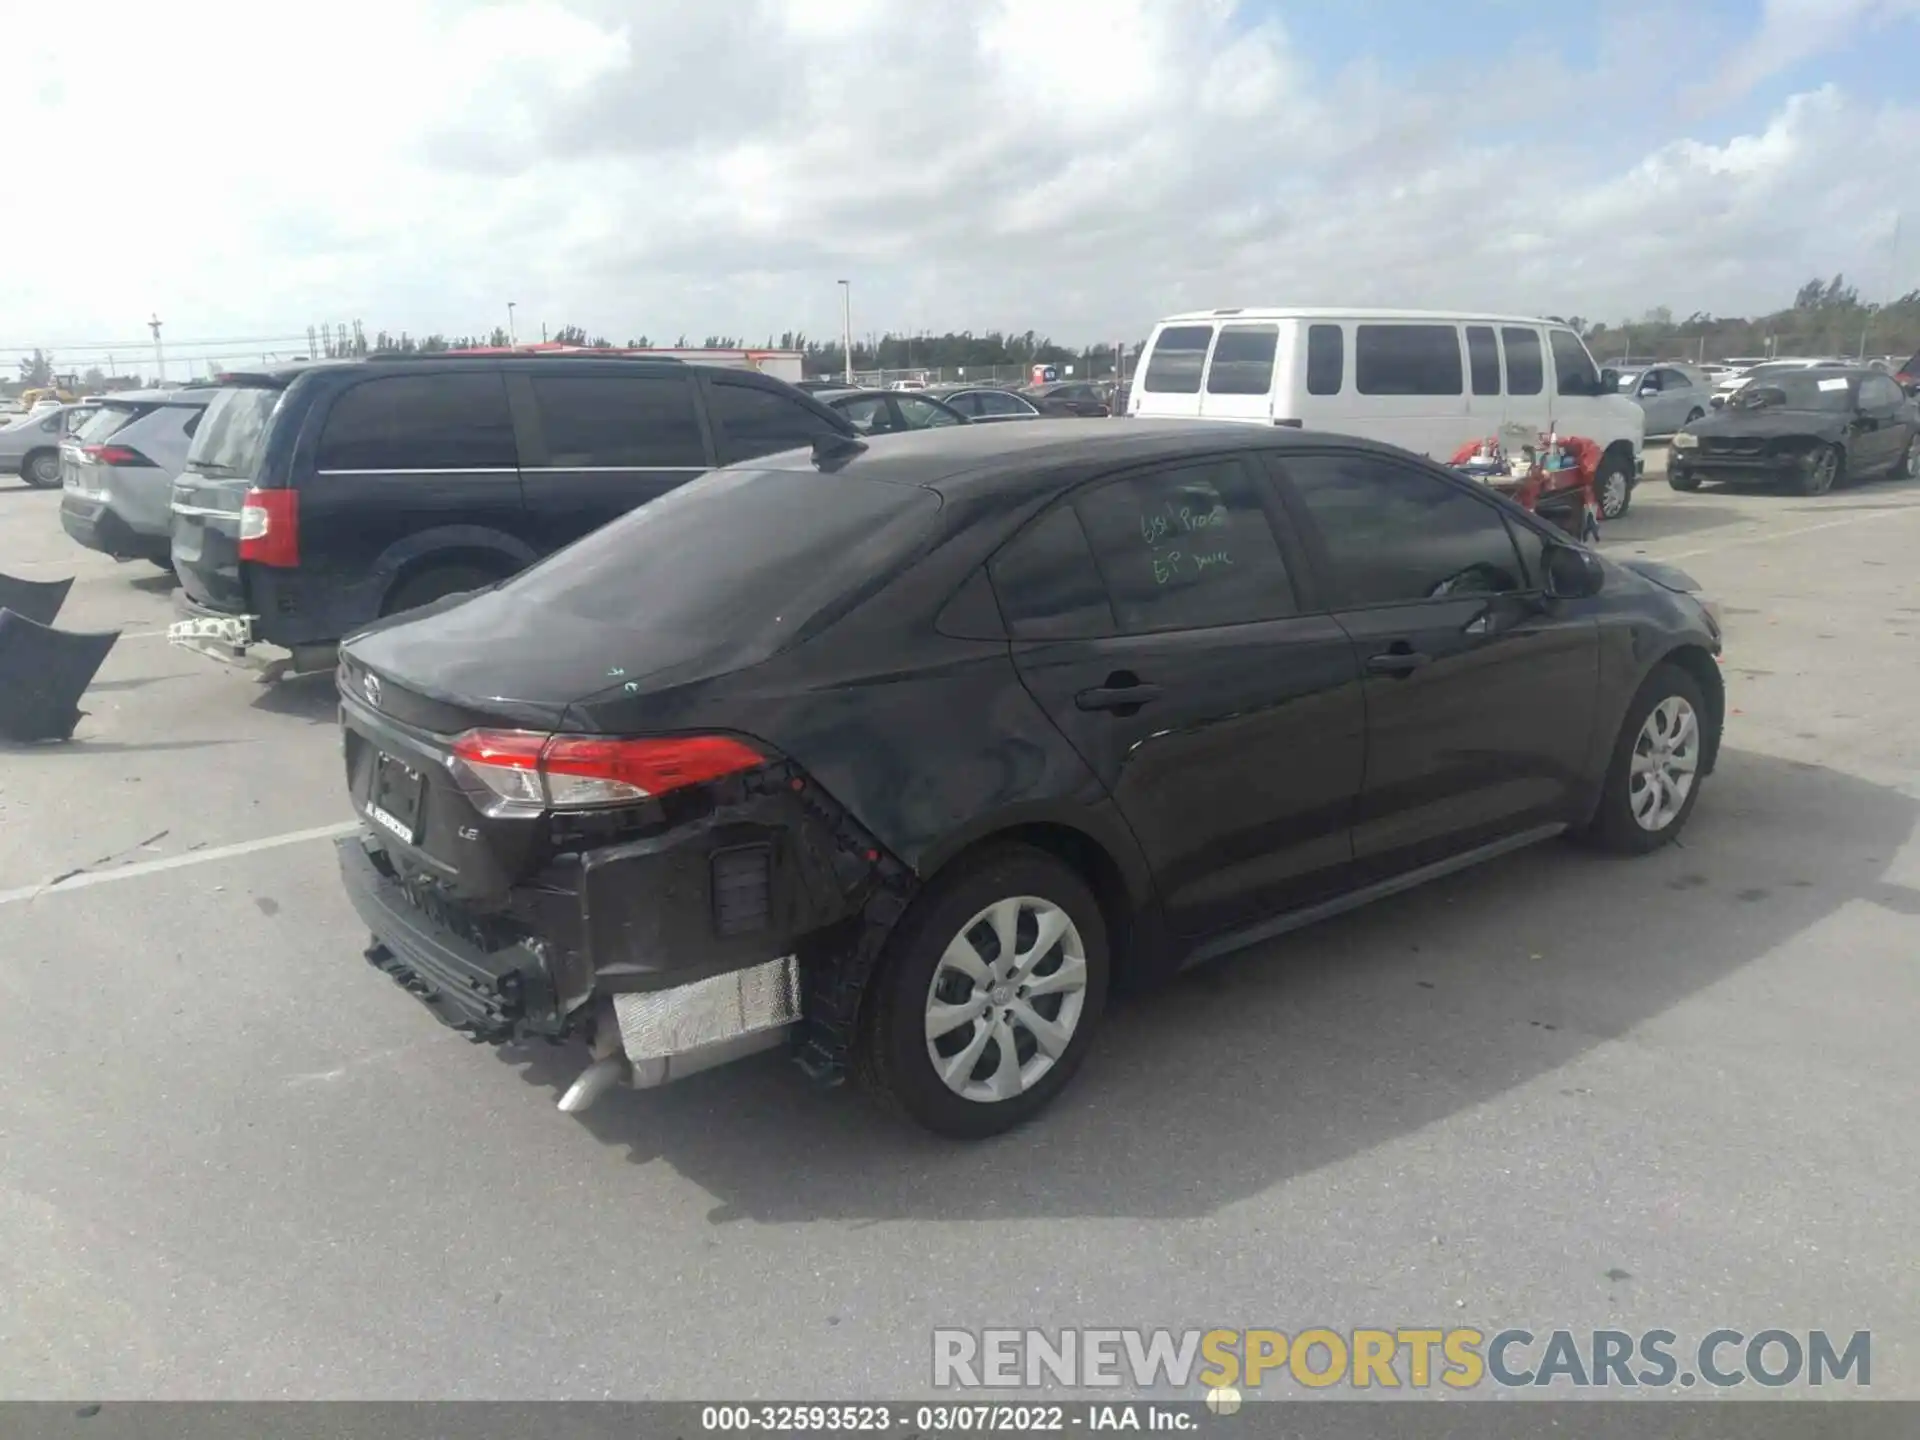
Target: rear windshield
x=107, y=419
x=230, y=435
x=740, y=558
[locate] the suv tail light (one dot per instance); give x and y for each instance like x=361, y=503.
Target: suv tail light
x=114, y=455
x=569, y=772
x=270, y=528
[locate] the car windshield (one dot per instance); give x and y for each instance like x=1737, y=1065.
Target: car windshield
x=1801, y=390
x=229, y=438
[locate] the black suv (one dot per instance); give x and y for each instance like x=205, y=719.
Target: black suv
x=319, y=497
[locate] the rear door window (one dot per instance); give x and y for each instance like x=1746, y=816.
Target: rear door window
x=1243, y=360
x=229, y=440
x=421, y=422
x=1326, y=360
x=753, y=421
x=619, y=422
x=1179, y=357
x=1483, y=359
x=1047, y=584
x=1185, y=548
x=998, y=402
x=1407, y=360
x=920, y=413
x=1523, y=360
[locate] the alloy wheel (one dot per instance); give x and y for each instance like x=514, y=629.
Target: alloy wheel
x=1666, y=760
x=45, y=469
x=1825, y=466
x=1613, y=494
x=1006, y=998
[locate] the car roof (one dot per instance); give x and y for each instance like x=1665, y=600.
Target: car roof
x=1331, y=312
x=172, y=395
x=958, y=459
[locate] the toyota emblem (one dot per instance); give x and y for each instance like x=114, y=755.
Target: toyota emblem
x=371, y=684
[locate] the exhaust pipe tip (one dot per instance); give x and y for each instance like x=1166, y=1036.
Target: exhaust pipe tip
x=598, y=1078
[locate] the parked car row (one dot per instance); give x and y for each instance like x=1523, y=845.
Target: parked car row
x=927, y=717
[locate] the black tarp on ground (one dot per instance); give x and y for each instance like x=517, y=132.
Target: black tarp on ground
x=36, y=599
x=43, y=674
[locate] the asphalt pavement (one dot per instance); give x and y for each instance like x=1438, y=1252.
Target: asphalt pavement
x=1562, y=1091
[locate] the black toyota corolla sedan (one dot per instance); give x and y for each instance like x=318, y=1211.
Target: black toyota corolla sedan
x=905, y=753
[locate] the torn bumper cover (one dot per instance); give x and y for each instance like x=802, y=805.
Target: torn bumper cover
x=741, y=931
x=43, y=674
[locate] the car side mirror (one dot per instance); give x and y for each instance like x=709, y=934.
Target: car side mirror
x=1609, y=382
x=1717, y=401
x=1573, y=573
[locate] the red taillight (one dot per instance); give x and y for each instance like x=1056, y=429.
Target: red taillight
x=270, y=528
x=114, y=455
x=568, y=772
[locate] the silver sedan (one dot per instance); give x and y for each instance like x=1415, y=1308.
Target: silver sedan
x=30, y=447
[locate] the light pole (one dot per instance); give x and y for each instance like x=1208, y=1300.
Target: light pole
x=512, y=338
x=159, y=355
x=846, y=325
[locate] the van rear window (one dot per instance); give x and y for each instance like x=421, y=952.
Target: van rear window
x=228, y=440
x=1179, y=357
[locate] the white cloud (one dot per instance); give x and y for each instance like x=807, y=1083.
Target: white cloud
x=1075, y=168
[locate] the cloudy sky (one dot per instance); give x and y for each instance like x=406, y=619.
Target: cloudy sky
x=660, y=166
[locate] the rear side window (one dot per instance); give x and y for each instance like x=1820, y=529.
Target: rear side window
x=1047, y=584
x=1187, y=548
x=619, y=422
x=1407, y=360
x=228, y=441
x=753, y=421
x=1483, y=359
x=922, y=414
x=1243, y=360
x=1572, y=364
x=1179, y=356
x=1523, y=360
x=1395, y=535
x=421, y=422
x=1326, y=360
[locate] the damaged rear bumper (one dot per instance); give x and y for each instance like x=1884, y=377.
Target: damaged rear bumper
x=747, y=929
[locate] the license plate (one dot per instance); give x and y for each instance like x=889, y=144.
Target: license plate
x=394, y=800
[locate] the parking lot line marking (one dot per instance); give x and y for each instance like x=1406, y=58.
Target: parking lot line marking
x=1863, y=518
x=87, y=878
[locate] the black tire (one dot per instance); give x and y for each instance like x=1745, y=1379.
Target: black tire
x=1613, y=826
x=436, y=584
x=1824, y=471
x=41, y=469
x=1613, y=487
x=1907, y=467
x=1682, y=480
x=1694, y=414
x=893, y=1062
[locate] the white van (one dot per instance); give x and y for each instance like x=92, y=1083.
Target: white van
x=1428, y=381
